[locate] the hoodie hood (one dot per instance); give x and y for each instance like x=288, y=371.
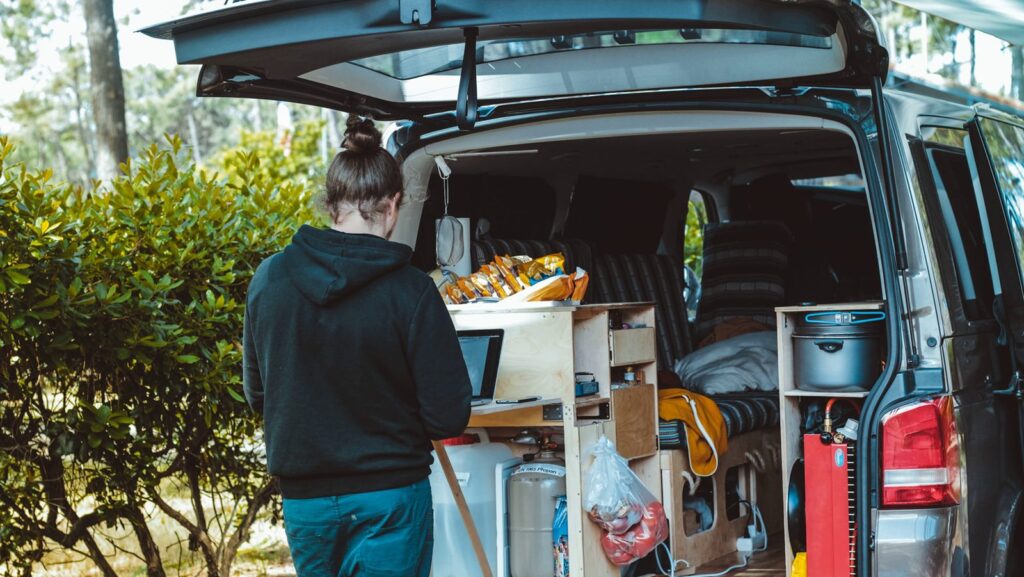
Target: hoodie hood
x=325, y=264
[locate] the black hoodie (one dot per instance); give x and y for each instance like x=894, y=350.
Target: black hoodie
x=353, y=360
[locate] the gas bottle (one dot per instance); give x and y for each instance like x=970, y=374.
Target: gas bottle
x=474, y=464
x=533, y=492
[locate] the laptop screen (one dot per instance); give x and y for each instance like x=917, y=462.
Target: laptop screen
x=480, y=351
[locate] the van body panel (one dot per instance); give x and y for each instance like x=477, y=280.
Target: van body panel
x=917, y=543
x=370, y=56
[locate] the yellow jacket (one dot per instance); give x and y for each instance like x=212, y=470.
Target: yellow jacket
x=706, y=437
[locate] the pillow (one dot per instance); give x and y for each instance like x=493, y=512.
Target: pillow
x=748, y=362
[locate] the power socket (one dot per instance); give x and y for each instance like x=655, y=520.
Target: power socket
x=751, y=544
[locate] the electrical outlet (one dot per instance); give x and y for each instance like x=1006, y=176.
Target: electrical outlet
x=751, y=544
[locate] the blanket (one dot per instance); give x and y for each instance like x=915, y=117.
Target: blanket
x=745, y=363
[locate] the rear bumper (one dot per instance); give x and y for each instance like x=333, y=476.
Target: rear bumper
x=917, y=543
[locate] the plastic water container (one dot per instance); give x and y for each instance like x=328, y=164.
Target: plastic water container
x=475, y=465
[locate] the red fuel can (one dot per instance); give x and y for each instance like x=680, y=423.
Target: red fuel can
x=829, y=497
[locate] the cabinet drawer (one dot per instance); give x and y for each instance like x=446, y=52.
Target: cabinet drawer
x=633, y=346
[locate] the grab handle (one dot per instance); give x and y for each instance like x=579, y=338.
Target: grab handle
x=829, y=346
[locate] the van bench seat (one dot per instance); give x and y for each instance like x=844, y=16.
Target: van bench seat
x=743, y=413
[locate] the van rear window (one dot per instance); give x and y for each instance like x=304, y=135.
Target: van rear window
x=408, y=64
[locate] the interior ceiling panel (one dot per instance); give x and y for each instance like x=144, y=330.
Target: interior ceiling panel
x=1001, y=18
x=660, y=157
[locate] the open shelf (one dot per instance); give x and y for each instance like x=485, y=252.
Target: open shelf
x=791, y=398
x=826, y=394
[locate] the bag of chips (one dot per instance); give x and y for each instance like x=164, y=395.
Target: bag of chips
x=580, y=281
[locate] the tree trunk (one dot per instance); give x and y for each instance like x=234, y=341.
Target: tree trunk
x=332, y=127
x=83, y=130
x=260, y=500
x=107, y=87
x=926, y=37
x=1018, y=72
x=193, y=133
x=150, y=550
x=974, y=60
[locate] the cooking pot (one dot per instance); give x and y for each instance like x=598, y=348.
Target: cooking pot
x=838, y=350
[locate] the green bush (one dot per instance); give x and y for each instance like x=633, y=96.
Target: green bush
x=120, y=318
x=298, y=162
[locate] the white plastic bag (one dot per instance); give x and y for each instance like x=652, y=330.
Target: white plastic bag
x=618, y=501
x=614, y=496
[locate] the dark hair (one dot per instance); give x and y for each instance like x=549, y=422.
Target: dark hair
x=363, y=174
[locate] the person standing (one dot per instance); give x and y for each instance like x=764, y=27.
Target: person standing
x=352, y=359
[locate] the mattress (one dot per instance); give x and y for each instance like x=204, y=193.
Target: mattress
x=742, y=412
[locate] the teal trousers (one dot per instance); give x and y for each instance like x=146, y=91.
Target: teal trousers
x=379, y=534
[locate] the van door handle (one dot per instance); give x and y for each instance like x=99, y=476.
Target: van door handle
x=829, y=346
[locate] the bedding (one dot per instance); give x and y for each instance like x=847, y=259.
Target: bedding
x=747, y=362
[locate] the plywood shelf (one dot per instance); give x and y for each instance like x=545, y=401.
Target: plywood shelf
x=861, y=306
x=826, y=394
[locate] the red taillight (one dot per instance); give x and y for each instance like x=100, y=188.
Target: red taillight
x=920, y=455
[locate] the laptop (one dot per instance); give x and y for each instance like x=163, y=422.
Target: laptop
x=481, y=351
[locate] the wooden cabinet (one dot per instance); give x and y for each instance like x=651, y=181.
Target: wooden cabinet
x=790, y=396
x=544, y=346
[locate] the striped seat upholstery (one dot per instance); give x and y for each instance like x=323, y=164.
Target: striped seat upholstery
x=577, y=252
x=616, y=278
x=649, y=277
x=746, y=264
x=743, y=413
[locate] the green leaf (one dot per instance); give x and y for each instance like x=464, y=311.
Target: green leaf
x=186, y=359
x=17, y=277
x=235, y=395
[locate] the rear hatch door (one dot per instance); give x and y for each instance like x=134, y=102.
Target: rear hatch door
x=408, y=58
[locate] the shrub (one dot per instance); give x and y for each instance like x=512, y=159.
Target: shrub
x=120, y=319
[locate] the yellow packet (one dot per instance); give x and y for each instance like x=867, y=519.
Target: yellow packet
x=482, y=284
x=497, y=283
x=556, y=288
x=467, y=289
x=581, y=280
x=554, y=263
x=505, y=268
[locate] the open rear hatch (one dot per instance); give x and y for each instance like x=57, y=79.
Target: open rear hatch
x=408, y=58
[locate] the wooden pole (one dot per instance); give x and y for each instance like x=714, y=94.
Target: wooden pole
x=460, y=502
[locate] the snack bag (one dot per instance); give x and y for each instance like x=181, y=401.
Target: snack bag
x=556, y=288
x=507, y=269
x=580, y=281
x=542, y=268
x=482, y=284
x=466, y=288
x=617, y=500
x=501, y=289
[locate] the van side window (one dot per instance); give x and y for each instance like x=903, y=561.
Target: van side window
x=696, y=218
x=693, y=251
x=1005, y=143
x=961, y=219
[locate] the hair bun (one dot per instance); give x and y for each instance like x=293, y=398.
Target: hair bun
x=361, y=135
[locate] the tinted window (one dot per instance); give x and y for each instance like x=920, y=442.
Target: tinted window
x=437, y=59
x=963, y=229
x=1005, y=143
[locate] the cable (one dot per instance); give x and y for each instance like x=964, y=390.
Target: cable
x=674, y=563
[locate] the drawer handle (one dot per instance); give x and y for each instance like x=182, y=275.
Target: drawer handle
x=829, y=346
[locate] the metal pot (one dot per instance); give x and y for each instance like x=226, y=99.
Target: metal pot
x=838, y=350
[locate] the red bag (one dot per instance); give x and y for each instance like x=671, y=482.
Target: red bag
x=640, y=540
